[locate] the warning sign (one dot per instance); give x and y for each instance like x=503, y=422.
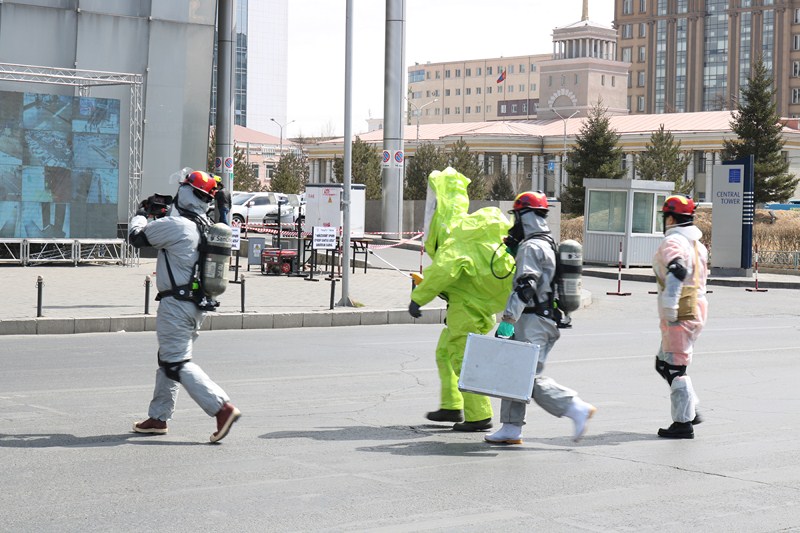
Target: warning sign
x=399, y=158
x=324, y=238
x=386, y=159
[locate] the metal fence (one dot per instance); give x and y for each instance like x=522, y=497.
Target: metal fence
x=786, y=260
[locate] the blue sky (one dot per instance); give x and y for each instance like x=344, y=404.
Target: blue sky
x=436, y=30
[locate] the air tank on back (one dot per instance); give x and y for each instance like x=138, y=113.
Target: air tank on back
x=570, y=254
x=218, y=256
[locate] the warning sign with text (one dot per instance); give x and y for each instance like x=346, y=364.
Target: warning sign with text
x=324, y=238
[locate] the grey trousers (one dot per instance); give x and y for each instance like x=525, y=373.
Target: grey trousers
x=549, y=395
x=177, y=324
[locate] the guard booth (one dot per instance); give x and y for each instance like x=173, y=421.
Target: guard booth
x=627, y=212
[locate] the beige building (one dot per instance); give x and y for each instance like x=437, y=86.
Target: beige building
x=262, y=151
x=477, y=90
x=694, y=55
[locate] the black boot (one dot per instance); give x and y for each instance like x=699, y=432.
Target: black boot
x=677, y=430
x=697, y=419
x=445, y=415
x=478, y=425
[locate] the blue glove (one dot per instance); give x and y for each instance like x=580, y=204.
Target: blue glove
x=505, y=331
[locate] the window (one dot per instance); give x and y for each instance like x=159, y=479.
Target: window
x=796, y=42
x=477, y=109
x=468, y=91
x=603, y=80
x=576, y=79
x=525, y=108
x=416, y=76
x=796, y=69
x=629, y=103
x=428, y=75
x=488, y=71
x=436, y=92
x=438, y=75
x=447, y=92
x=642, y=29
x=643, y=211
x=533, y=67
x=642, y=54
x=626, y=54
x=447, y=73
x=522, y=69
x=458, y=92
x=446, y=110
x=533, y=86
x=513, y=108
x=627, y=7
x=627, y=31
x=467, y=110
x=458, y=73
x=478, y=71
x=436, y=111
x=521, y=87
x=511, y=69
x=607, y=211
x=613, y=81
x=642, y=6
x=550, y=81
x=796, y=16
x=416, y=95
x=500, y=89
x=640, y=103
x=477, y=90
x=563, y=80
x=640, y=78
x=458, y=110
x=630, y=80
x=489, y=108
x=511, y=88
x=502, y=109
x=796, y=96
x=489, y=90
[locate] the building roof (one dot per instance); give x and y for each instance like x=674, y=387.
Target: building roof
x=242, y=135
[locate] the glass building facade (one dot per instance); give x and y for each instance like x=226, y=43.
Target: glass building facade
x=240, y=70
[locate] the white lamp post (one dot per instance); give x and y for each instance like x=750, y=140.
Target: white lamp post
x=419, y=112
x=280, y=151
x=564, y=154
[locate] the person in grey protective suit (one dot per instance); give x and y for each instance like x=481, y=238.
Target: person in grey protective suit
x=530, y=316
x=178, y=320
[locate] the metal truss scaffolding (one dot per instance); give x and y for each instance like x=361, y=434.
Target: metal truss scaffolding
x=84, y=80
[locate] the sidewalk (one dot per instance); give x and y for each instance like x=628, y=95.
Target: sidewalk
x=109, y=298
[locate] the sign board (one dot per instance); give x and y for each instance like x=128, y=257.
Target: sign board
x=499, y=367
x=217, y=165
x=386, y=159
x=235, y=238
x=551, y=166
x=733, y=209
x=324, y=238
x=398, y=159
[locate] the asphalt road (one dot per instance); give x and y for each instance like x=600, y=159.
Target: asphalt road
x=333, y=439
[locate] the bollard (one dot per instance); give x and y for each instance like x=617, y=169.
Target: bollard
x=619, y=276
x=756, y=263
x=39, y=285
x=242, y=284
x=333, y=290
x=147, y=295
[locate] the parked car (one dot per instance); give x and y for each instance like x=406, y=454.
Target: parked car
x=255, y=206
x=298, y=203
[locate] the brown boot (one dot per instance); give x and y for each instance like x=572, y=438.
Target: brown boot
x=151, y=426
x=226, y=416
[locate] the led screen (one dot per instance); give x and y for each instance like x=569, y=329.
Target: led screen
x=59, y=166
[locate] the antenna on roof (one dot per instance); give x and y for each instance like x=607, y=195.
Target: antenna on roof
x=585, y=14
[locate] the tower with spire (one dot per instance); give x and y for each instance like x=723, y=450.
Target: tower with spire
x=584, y=69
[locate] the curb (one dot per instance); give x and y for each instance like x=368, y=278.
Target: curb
x=721, y=282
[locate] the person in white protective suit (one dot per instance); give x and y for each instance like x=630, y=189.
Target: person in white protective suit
x=530, y=316
x=178, y=320
x=681, y=268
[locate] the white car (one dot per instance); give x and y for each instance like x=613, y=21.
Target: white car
x=254, y=207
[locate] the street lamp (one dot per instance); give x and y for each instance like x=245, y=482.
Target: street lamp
x=419, y=112
x=280, y=151
x=564, y=154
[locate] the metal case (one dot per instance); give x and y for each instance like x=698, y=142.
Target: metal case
x=499, y=367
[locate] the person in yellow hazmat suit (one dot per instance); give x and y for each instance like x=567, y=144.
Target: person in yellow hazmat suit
x=471, y=270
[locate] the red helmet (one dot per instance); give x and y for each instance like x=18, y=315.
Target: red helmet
x=680, y=205
x=202, y=182
x=530, y=200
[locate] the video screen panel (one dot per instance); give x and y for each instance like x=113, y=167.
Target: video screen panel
x=59, y=166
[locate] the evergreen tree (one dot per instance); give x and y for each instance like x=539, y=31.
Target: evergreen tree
x=501, y=187
x=758, y=128
x=366, y=168
x=244, y=179
x=291, y=175
x=596, y=155
x=663, y=160
x=426, y=159
x=460, y=158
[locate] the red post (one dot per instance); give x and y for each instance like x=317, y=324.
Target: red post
x=619, y=276
x=755, y=257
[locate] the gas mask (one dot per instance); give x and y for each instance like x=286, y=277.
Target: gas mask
x=516, y=234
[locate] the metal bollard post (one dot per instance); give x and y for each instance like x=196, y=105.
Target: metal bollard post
x=242, y=284
x=39, y=285
x=333, y=290
x=147, y=295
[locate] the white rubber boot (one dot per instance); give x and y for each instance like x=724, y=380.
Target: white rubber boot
x=580, y=412
x=508, y=434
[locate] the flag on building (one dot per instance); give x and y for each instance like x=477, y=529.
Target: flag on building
x=502, y=77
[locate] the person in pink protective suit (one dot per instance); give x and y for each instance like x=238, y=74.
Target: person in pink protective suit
x=681, y=268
